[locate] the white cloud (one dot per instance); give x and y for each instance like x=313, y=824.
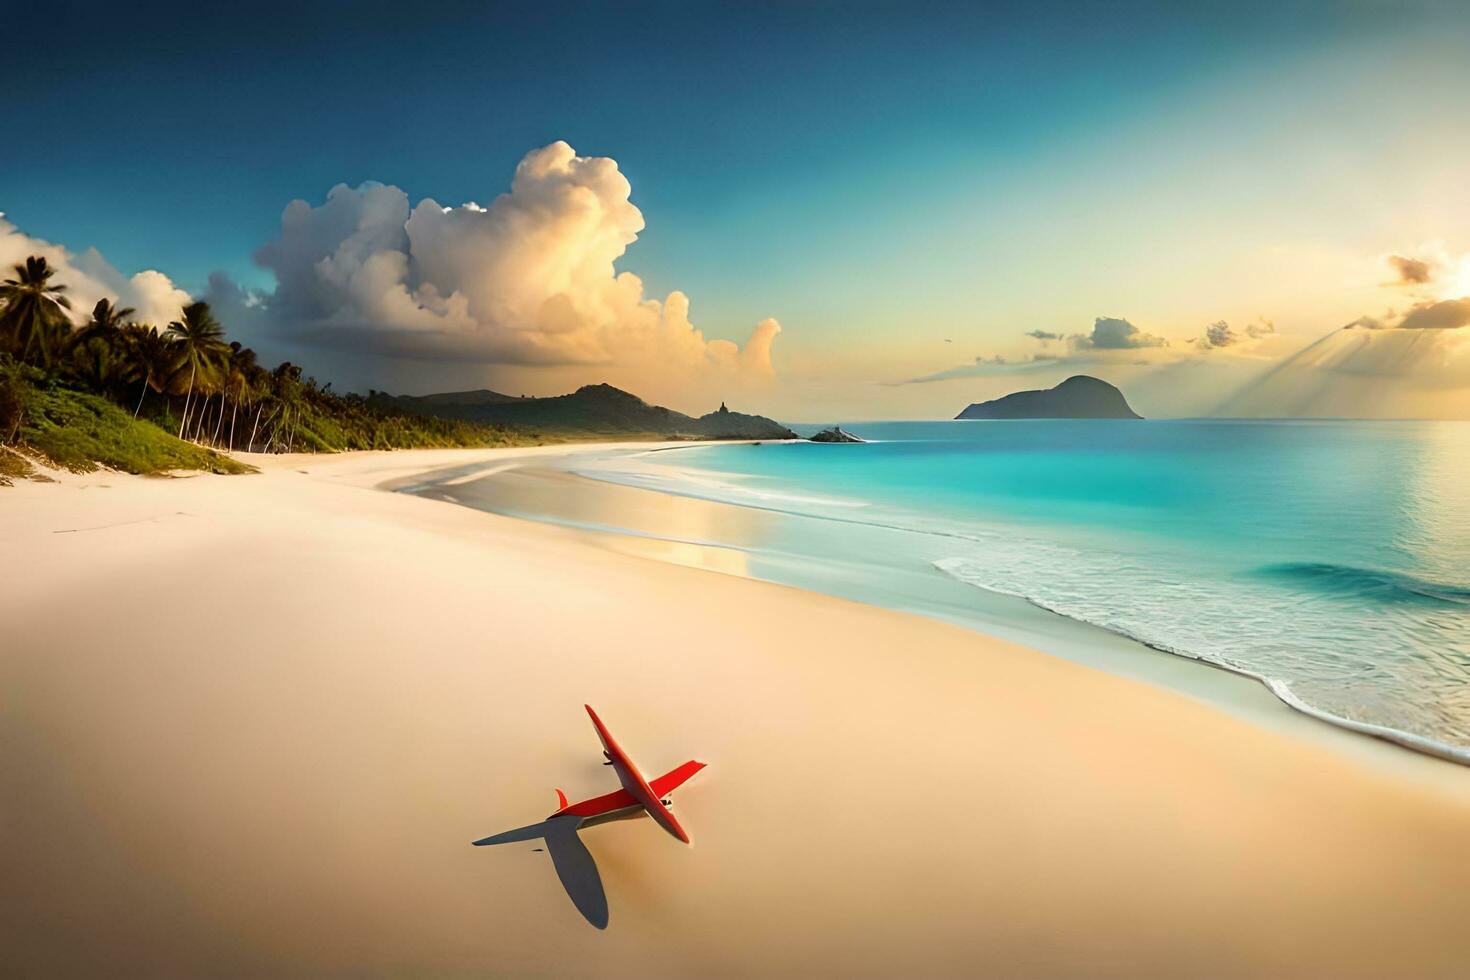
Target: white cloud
x=1221, y=334
x=1113, y=333
x=1408, y=271
x=1428, y=271
x=527, y=280
x=1445, y=314
x=89, y=277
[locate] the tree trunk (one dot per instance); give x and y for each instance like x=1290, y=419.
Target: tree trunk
x=141, y=397
x=221, y=420
x=199, y=411
x=185, y=420
x=255, y=425
x=233, y=409
x=275, y=430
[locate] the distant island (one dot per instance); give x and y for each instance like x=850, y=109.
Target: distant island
x=1079, y=397
x=592, y=410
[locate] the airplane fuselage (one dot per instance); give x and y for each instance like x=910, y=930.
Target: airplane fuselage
x=633, y=781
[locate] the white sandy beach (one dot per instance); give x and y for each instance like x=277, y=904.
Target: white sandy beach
x=251, y=724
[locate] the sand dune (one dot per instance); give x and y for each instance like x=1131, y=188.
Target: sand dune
x=251, y=724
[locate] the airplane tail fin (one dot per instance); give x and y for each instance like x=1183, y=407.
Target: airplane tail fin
x=561, y=801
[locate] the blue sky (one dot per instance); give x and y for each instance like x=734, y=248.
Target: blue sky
x=174, y=136
x=861, y=171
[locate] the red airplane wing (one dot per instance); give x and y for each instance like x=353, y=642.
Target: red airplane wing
x=670, y=781
x=634, y=782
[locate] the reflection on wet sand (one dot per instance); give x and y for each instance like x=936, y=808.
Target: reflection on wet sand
x=680, y=530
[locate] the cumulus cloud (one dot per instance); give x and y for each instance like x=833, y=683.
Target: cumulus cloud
x=1044, y=336
x=1408, y=271
x=1112, y=333
x=1221, y=334
x=1445, y=314
x=89, y=277
x=1218, y=334
x=528, y=279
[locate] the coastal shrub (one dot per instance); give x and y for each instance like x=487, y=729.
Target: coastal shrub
x=14, y=391
x=167, y=421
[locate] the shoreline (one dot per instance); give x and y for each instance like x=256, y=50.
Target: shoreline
x=294, y=699
x=1085, y=633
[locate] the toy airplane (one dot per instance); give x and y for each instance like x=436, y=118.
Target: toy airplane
x=574, y=865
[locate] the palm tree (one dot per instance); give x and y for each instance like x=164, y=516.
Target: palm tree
x=107, y=321
x=34, y=320
x=102, y=365
x=239, y=384
x=286, y=393
x=261, y=394
x=99, y=355
x=201, y=346
x=153, y=357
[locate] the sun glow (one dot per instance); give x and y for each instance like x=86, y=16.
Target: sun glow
x=1457, y=281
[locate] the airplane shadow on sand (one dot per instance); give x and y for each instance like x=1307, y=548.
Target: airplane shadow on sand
x=573, y=862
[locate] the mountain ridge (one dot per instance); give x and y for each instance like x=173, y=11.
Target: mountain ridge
x=595, y=409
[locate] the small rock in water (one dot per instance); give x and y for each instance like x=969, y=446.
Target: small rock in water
x=836, y=434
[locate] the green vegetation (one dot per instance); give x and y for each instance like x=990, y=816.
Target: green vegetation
x=78, y=431
x=130, y=396
x=33, y=323
x=323, y=421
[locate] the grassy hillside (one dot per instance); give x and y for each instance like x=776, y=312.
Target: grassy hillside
x=79, y=431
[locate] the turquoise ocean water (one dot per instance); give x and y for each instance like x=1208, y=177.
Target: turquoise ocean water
x=1330, y=559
